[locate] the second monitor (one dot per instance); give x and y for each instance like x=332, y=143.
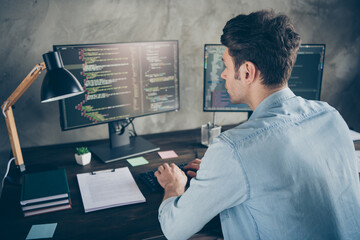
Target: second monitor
x=305, y=79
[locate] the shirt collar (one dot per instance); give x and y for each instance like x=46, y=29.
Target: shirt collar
x=272, y=99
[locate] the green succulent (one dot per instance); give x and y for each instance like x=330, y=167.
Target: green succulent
x=82, y=150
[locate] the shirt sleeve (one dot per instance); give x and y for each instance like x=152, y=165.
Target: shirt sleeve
x=220, y=184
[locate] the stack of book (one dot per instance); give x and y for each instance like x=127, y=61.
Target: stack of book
x=44, y=192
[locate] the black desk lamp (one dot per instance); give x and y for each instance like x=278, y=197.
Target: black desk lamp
x=58, y=84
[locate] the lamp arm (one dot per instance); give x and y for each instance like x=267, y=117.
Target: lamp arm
x=9, y=115
x=23, y=86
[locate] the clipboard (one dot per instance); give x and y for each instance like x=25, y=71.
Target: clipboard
x=108, y=188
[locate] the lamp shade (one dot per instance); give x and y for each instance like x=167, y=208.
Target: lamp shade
x=58, y=82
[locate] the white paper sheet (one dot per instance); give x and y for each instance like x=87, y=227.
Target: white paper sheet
x=108, y=188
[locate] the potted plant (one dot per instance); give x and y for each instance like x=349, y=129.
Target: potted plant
x=82, y=155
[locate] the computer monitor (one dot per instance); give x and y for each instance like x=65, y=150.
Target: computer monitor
x=306, y=76
x=122, y=81
x=305, y=79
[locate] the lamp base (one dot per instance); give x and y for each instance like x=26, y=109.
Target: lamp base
x=22, y=168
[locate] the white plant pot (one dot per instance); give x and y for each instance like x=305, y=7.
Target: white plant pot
x=83, y=159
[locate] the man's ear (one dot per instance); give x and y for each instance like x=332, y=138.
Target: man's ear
x=249, y=72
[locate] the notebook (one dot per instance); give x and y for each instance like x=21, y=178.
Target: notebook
x=44, y=186
x=47, y=210
x=45, y=204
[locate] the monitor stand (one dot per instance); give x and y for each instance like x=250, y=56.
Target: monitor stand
x=121, y=145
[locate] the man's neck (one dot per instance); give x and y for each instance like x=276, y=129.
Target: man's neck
x=259, y=93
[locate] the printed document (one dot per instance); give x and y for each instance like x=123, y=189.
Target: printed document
x=108, y=188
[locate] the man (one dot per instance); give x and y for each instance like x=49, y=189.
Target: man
x=288, y=172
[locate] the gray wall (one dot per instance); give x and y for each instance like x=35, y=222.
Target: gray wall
x=30, y=28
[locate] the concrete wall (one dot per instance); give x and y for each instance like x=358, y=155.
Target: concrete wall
x=30, y=28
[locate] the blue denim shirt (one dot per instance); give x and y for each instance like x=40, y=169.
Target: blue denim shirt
x=287, y=173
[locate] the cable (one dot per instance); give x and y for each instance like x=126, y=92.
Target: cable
x=3, y=110
x=35, y=69
x=133, y=127
x=7, y=172
x=213, y=124
x=121, y=126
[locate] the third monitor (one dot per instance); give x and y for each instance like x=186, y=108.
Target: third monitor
x=305, y=80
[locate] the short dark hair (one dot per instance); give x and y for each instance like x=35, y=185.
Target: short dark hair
x=265, y=39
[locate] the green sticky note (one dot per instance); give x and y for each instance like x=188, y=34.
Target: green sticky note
x=40, y=231
x=137, y=161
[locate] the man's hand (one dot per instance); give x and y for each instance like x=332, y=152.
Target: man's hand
x=194, y=166
x=172, y=179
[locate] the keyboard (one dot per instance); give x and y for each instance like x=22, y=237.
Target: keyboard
x=151, y=181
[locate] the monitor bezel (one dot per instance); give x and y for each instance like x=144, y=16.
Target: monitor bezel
x=323, y=45
x=61, y=102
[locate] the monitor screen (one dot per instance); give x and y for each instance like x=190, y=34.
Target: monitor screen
x=305, y=79
x=121, y=80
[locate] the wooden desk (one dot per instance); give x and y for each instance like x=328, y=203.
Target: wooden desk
x=138, y=221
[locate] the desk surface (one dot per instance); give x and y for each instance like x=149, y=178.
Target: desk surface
x=138, y=221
